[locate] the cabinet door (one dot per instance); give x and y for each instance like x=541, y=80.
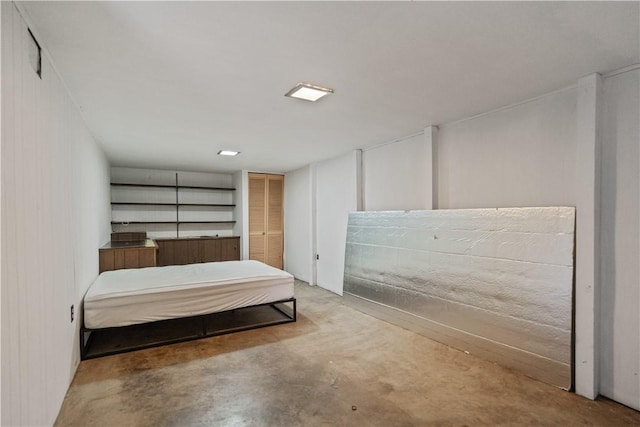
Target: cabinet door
x=181, y=252
x=210, y=249
x=146, y=257
x=266, y=194
x=118, y=259
x=131, y=258
x=194, y=254
x=257, y=216
x=275, y=226
x=230, y=249
x=106, y=260
x=165, y=252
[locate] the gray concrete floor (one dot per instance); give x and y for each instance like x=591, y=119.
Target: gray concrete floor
x=335, y=366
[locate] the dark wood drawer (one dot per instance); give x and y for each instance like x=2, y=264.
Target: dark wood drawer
x=197, y=249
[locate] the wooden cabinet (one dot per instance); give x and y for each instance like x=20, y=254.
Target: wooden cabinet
x=197, y=249
x=266, y=219
x=117, y=255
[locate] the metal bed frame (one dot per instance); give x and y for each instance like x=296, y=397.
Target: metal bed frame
x=203, y=330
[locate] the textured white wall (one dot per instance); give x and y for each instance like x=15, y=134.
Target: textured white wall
x=620, y=244
x=395, y=175
x=298, y=247
x=55, y=211
x=337, y=194
x=520, y=156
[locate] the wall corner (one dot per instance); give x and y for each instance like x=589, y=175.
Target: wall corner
x=587, y=290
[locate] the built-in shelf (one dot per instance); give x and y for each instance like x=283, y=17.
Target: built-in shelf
x=171, y=222
x=173, y=204
x=206, y=222
x=143, y=204
x=142, y=222
x=186, y=211
x=189, y=187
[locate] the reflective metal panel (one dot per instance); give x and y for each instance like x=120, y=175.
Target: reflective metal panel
x=501, y=276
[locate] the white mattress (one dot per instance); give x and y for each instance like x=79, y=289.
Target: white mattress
x=129, y=297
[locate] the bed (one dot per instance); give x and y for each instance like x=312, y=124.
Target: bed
x=126, y=310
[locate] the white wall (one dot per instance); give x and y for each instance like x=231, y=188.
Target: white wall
x=298, y=247
x=55, y=210
x=620, y=245
x=527, y=155
x=241, y=212
x=337, y=187
x=520, y=156
x=395, y=176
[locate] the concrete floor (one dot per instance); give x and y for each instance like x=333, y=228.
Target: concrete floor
x=335, y=366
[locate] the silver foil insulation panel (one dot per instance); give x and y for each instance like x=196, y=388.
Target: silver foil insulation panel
x=494, y=282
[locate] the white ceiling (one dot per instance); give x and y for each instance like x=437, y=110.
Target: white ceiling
x=168, y=84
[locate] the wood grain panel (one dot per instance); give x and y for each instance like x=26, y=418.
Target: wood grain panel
x=230, y=249
x=118, y=259
x=257, y=247
x=196, y=250
x=106, y=261
x=266, y=218
x=275, y=196
x=257, y=203
x=166, y=251
x=210, y=250
x=193, y=251
x=274, y=250
x=146, y=257
x=131, y=258
x=181, y=252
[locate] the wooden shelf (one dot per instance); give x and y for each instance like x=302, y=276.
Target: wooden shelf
x=141, y=222
x=206, y=222
x=221, y=205
x=143, y=204
x=180, y=208
x=190, y=187
x=173, y=204
x=171, y=222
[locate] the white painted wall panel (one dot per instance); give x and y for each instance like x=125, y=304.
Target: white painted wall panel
x=298, y=249
x=54, y=217
x=337, y=194
x=241, y=212
x=523, y=155
x=396, y=175
x=512, y=298
x=620, y=244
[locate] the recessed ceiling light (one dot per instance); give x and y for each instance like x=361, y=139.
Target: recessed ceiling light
x=308, y=92
x=228, y=153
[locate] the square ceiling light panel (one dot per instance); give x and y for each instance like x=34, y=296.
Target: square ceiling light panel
x=308, y=92
x=228, y=153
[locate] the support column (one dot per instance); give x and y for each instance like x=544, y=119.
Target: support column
x=587, y=292
x=431, y=165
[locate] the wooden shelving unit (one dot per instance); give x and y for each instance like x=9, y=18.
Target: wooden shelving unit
x=177, y=204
